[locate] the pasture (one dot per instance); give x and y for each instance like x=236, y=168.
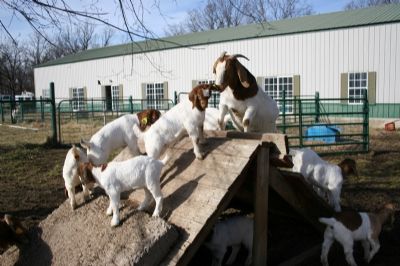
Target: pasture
x=31, y=184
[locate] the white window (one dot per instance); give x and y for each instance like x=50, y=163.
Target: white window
x=358, y=83
x=46, y=93
x=78, y=99
x=276, y=87
x=115, y=97
x=155, y=95
x=214, y=100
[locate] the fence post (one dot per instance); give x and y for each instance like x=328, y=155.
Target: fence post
x=130, y=104
x=175, y=98
x=59, y=122
x=92, y=109
x=1, y=110
x=300, y=124
x=317, y=110
x=53, y=114
x=41, y=109
x=284, y=111
x=365, y=122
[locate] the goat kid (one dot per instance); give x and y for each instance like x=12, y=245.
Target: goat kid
x=11, y=232
x=235, y=231
x=326, y=178
x=188, y=115
x=349, y=226
x=117, y=177
x=118, y=134
x=251, y=109
x=71, y=174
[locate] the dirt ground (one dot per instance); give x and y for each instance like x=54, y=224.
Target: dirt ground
x=31, y=187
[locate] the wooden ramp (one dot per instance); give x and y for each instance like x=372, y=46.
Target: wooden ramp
x=196, y=192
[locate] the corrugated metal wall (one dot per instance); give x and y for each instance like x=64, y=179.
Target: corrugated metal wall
x=318, y=57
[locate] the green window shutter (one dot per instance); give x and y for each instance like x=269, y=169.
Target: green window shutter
x=260, y=82
x=70, y=93
x=144, y=96
x=165, y=90
x=296, y=85
x=103, y=91
x=371, y=87
x=194, y=83
x=344, y=87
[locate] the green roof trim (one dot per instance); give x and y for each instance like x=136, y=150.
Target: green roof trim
x=344, y=19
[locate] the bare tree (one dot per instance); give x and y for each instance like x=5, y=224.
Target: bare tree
x=355, y=4
x=11, y=69
x=229, y=13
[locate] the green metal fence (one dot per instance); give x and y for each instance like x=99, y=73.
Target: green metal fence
x=81, y=119
x=328, y=125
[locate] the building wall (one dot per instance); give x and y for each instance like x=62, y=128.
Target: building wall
x=318, y=57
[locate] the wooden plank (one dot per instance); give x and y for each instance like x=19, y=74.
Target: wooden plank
x=261, y=207
x=300, y=195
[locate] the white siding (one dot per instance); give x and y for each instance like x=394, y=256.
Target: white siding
x=318, y=57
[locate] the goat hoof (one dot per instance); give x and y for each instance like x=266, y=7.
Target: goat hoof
x=114, y=223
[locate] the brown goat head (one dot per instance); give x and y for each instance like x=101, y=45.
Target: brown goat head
x=199, y=96
x=147, y=118
x=85, y=173
x=348, y=167
x=230, y=72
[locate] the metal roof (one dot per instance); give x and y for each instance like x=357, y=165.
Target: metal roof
x=344, y=19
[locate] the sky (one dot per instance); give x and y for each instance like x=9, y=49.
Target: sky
x=174, y=12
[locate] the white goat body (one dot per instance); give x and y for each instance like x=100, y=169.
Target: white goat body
x=171, y=126
x=233, y=232
x=116, y=134
x=71, y=176
x=117, y=177
x=319, y=173
x=347, y=227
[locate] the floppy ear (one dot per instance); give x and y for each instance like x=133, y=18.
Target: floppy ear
x=193, y=98
x=85, y=144
x=242, y=73
x=75, y=152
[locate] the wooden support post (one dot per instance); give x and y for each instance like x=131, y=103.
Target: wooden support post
x=261, y=207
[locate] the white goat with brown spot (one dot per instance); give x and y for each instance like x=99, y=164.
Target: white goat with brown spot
x=251, y=109
x=349, y=226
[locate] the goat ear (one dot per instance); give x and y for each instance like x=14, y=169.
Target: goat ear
x=242, y=74
x=193, y=98
x=75, y=152
x=85, y=144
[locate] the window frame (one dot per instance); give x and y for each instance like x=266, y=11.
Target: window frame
x=356, y=99
x=115, y=91
x=279, y=83
x=154, y=101
x=78, y=97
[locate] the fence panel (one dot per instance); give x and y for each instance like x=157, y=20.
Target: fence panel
x=83, y=119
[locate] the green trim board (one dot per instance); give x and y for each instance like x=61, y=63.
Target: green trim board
x=336, y=20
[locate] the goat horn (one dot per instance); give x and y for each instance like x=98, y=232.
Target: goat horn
x=234, y=56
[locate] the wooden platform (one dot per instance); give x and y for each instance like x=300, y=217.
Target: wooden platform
x=196, y=192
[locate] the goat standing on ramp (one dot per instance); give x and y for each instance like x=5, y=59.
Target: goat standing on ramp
x=251, y=109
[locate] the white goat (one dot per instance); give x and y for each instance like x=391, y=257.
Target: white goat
x=117, y=134
x=326, y=177
x=251, y=109
x=188, y=115
x=71, y=176
x=347, y=227
x=117, y=177
x=231, y=232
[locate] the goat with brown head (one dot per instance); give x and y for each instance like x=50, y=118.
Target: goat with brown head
x=250, y=108
x=199, y=96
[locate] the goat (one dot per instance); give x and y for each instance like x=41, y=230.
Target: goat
x=349, y=226
x=11, y=232
x=117, y=177
x=71, y=175
x=117, y=134
x=251, y=109
x=233, y=232
x=326, y=177
x=188, y=115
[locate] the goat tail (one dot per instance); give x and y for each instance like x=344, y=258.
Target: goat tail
x=327, y=221
x=166, y=158
x=137, y=131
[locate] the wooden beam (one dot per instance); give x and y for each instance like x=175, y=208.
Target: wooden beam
x=260, y=234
